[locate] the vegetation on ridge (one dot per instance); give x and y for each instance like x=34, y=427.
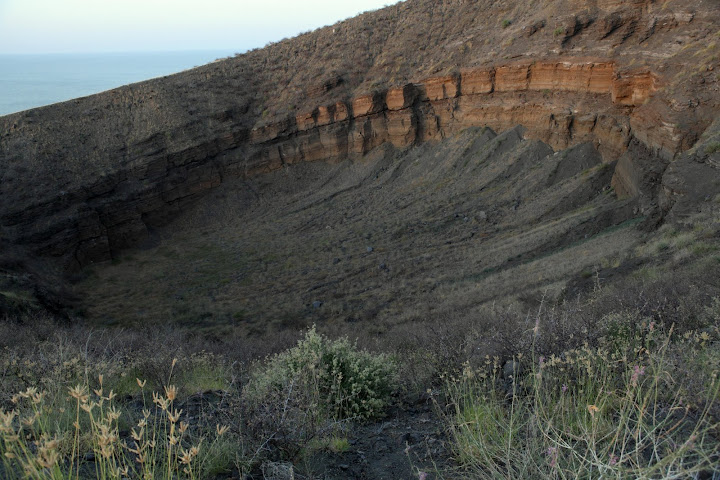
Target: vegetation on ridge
x=621, y=409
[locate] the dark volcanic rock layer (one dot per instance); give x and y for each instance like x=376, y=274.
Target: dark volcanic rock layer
x=81, y=180
x=398, y=236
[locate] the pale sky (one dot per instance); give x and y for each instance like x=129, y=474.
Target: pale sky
x=80, y=26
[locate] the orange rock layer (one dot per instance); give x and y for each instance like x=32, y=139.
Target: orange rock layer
x=592, y=102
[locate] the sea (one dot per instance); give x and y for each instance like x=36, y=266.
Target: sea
x=29, y=81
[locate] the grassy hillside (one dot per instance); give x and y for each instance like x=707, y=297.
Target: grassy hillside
x=621, y=381
x=399, y=237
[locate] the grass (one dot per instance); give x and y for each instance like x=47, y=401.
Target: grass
x=618, y=410
x=77, y=435
x=599, y=386
x=74, y=425
x=607, y=231
x=338, y=444
x=693, y=239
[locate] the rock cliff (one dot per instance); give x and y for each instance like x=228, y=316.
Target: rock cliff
x=82, y=180
x=499, y=97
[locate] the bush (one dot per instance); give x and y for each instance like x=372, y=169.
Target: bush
x=713, y=147
x=343, y=381
x=302, y=398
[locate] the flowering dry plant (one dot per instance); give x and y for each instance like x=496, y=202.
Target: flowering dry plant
x=611, y=411
x=78, y=437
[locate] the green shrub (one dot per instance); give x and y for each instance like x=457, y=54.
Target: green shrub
x=713, y=147
x=506, y=23
x=343, y=382
x=302, y=397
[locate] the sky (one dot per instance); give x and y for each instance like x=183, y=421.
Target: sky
x=89, y=26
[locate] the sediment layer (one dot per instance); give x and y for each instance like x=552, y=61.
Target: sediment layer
x=590, y=101
x=82, y=180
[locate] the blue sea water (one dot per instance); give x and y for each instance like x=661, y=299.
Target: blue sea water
x=28, y=81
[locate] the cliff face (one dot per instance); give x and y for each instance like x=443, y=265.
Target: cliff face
x=82, y=180
x=561, y=102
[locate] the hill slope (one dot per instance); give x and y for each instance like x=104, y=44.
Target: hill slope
x=400, y=236
x=472, y=187
x=84, y=179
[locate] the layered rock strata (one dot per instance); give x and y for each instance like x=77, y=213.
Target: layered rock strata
x=590, y=101
x=560, y=102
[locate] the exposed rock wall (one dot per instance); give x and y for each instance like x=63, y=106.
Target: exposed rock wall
x=637, y=80
x=590, y=102
x=560, y=102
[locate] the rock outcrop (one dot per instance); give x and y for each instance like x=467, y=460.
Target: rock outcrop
x=590, y=101
x=82, y=180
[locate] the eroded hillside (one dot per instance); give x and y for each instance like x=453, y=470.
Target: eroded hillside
x=399, y=236
x=513, y=205
x=632, y=84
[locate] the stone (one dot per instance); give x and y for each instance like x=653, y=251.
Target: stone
x=512, y=77
x=478, y=81
x=440, y=88
x=399, y=98
x=530, y=30
x=634, y=87
x=367, y=104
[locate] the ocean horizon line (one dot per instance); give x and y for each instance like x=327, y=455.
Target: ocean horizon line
x=30, y=81
x=121, y=52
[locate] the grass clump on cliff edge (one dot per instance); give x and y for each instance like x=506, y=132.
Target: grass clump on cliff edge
x=713, y=147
